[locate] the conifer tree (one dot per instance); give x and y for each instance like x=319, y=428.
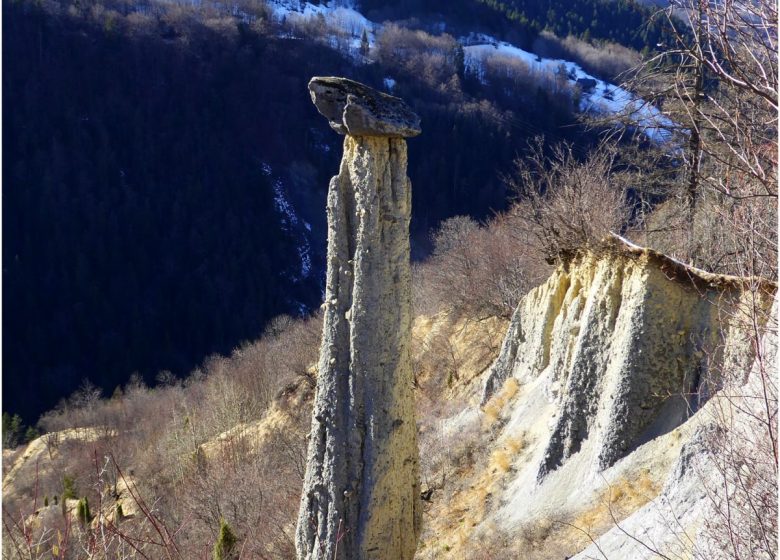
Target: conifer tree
x=365, y=46
x=82, y=511
x=225, y=546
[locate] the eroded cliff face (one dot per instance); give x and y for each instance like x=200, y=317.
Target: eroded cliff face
x=594, y=406
x=361, y=490
x=720, y=498
x=624, y=342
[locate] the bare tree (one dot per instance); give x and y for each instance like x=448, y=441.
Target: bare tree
x=722, y=72
x=565, y=205
x=719, y=84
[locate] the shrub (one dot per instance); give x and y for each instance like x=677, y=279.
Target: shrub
x=719, y=235
x=606, y=60
x=226, y=542
x=434, y=60
x=493, y=408
x=477, y=270
x=82, y=512
x=68, y=487
x=156, y=429
x=565, y=205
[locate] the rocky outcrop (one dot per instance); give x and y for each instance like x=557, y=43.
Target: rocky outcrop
x=39, y=457
x=361, y=489
x=600, y=405
x=357, y=110
x=726, y=473
x=624, y=342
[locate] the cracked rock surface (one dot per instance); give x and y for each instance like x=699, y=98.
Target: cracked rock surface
x=361, y=489
x=357, y=110
x=624, y=341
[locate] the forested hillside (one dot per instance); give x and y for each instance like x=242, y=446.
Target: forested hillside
x=165, y=176
x=626, y=22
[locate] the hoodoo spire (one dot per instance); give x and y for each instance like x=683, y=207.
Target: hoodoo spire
x=361, y=490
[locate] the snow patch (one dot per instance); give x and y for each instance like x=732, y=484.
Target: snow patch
x=343, y=24
x=344, y=27
x=291, y=223
x=597, y=96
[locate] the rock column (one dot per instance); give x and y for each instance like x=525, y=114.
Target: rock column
x=361, y=491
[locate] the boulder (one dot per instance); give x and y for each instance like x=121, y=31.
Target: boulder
x=357, y=110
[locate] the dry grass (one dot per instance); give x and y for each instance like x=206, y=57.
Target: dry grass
x=450, y=353
x=456, y=514
x=516, y=444
x=534, y=535
x=492, y=410
x=456, y=521
x=548, y=537
x=501, y=460
x=620, y=499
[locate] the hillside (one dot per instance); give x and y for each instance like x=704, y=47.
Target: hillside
x=492, y=490
x=625, y=22
x=597, y=396
x=169, y=172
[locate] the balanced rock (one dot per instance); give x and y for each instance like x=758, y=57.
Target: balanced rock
x=357, y=110
x=361, y=490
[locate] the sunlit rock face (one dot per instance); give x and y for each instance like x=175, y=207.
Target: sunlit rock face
x=361, y=490
x=357, y=110
x=624, y=341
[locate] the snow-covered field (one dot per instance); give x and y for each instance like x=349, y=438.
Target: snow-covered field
x=343, y=24
x=337, y=14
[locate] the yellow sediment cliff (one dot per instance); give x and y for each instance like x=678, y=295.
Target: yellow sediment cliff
x=628, y=342
x=588, y=406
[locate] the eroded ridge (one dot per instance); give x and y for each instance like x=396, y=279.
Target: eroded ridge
x=626, y=341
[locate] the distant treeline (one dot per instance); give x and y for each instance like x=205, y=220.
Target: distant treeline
x=625, y=22
x=139, y=226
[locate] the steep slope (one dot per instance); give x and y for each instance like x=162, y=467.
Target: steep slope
x=594, y=436
x=584, y=412
x=38, y=458
x=703, y=485
x=625, y=343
